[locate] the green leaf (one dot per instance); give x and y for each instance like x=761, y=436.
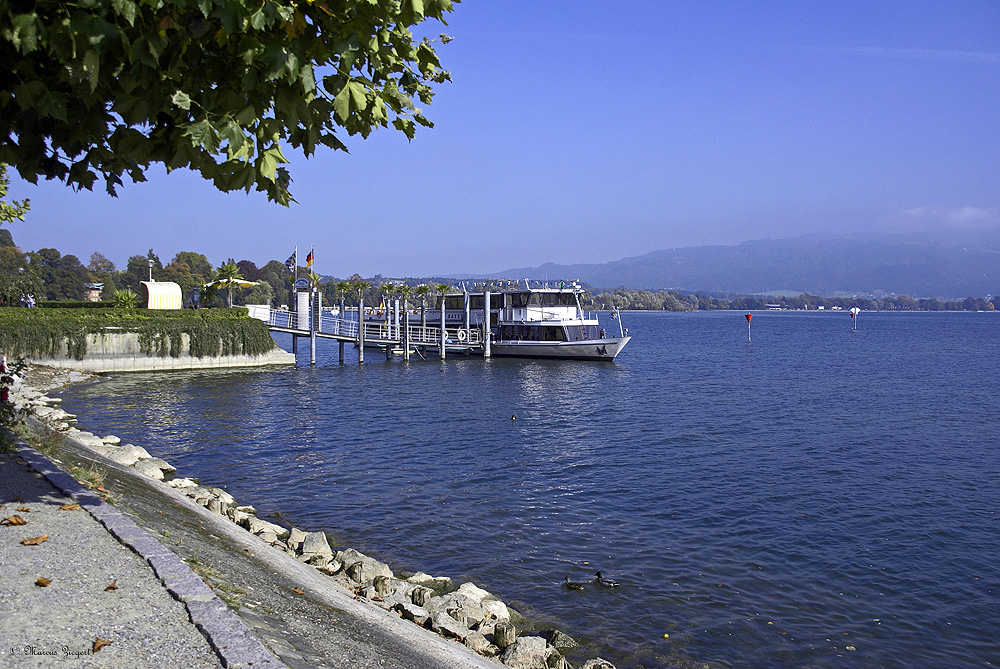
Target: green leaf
x=246, y=116
x=231, y=15
x=279, y=62
x=24, y=35
x=342, y=103
x=181, y=99
x=92, y=66
x=308, y=79
x=238, y=146
x=27, y=95
x=202, y=134
x=257, y=19
x=268, y=165
x=405, y=126
x=359, y=95
x=52, y=105
x=126, y=9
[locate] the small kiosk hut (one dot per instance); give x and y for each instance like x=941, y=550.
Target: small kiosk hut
x=163, y=295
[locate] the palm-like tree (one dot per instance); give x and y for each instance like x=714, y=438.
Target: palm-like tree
x=341, y=288
x=422, y=290
x=227, y=275
x=390, y=290
x=359, y=287
x=404, y=291
x=442, y=289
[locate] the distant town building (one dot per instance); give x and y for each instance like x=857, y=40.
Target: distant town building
x=94, y=291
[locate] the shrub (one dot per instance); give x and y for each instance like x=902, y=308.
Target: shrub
x=42, y=332
x=125, y=299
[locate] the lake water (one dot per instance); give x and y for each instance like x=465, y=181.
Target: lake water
x=821, y=497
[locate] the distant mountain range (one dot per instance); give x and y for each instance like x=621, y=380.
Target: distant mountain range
x=967, y=266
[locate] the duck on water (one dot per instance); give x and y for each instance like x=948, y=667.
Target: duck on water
x=605, y=582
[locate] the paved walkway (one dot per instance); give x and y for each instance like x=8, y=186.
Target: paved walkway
x=114, y=596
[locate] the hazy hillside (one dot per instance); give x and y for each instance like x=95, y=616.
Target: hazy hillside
x=818, y=264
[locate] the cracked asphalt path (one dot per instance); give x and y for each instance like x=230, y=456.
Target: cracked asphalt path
x=60, y=623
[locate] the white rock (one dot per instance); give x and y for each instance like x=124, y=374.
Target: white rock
x=124, y=456
x=495, y=608
x=295, y=538
x=152, y=471
x=479, y=644
x=223, y=496
x=527, y=652
x=360, y=568
x=439, y=584
x=257, y=526
x=448, y=626
x=103, y=449
x=89, y=440
x=162, y=464
x=473, y=592
x=597, y=663
x=315, y=543
x=139, y=452
x=112, y=440
x=417, y=614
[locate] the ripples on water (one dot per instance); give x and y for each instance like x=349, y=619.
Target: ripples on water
x=820, y=497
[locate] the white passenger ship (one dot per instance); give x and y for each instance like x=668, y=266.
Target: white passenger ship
x=537, y=322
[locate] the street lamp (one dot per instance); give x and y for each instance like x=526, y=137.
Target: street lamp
x=150, y=261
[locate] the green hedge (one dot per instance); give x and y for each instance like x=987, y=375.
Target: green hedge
x=70, y=304
x=41, y=332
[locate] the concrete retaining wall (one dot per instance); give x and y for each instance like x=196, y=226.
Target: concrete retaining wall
x=120, y=352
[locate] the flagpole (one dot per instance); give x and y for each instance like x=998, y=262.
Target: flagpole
x=296, y=263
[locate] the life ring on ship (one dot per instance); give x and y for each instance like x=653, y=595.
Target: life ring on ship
x=462, y=335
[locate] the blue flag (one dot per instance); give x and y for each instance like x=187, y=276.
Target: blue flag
x=290, y=263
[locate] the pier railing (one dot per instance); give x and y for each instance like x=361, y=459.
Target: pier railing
x=376, y=332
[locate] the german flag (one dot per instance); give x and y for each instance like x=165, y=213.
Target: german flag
x=309, y=259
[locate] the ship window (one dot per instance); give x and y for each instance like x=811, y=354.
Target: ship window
x=517, y=299
x=553, y=299
x=553, y=333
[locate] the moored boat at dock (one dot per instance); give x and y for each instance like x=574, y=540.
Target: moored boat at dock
x=539, y=321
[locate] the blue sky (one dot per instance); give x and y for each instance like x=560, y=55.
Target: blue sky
x=591, y=131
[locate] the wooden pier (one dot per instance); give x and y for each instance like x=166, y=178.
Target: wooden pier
x=392, y=335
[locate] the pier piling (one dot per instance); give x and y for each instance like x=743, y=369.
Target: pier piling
x=406, y=335
x=443, y=333
x=486, y=324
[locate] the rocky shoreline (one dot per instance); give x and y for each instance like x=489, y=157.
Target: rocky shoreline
x=466, y=614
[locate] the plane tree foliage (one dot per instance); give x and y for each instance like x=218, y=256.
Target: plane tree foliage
x=103, y=88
